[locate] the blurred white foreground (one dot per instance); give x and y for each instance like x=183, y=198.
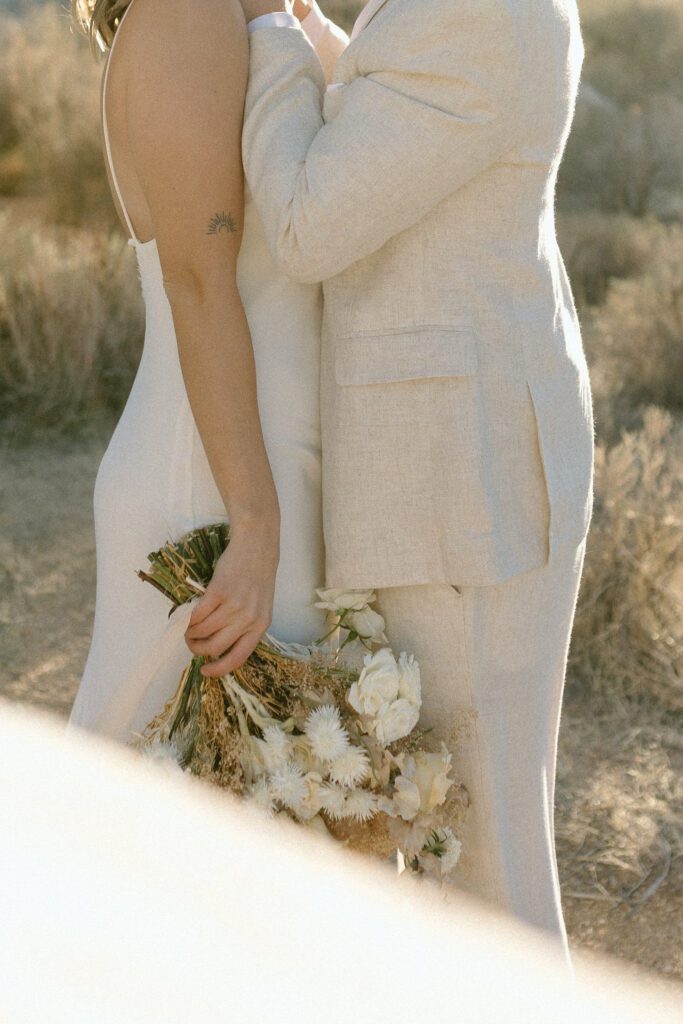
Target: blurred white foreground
x=127, y=895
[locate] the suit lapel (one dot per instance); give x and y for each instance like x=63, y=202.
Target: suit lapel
x=366, y=16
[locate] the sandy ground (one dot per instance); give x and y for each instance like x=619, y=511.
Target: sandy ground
x=617, y=772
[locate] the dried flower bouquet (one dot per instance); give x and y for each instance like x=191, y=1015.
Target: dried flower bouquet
x=299, y=732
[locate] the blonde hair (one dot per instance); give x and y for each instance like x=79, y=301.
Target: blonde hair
x=99, y=19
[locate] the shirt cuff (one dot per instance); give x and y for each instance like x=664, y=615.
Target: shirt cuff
x=277, y=19
x=315, y=24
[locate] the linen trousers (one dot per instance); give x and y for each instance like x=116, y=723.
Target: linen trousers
x=493, y=662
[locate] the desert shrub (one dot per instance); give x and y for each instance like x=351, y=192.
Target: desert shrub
x=628, y=634
x=626, y=160
x=599, y=247
x=625, y=152
x=343, y=12
x=634, y=341
x=49, y=90
x=634, y=49
x=9, y=133
x=70, y=327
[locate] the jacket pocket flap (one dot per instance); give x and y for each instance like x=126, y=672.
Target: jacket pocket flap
x=410, y=355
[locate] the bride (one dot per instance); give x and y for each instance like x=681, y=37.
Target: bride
x=222, y=422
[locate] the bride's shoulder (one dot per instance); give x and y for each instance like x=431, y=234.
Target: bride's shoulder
x=180, y=30
x=187, y=68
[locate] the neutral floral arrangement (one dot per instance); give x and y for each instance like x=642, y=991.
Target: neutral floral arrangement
x=300, y=733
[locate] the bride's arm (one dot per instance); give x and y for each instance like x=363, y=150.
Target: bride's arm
x=184, y=116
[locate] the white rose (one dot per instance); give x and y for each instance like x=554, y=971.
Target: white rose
x=377, y=684
x=344, y=600
x=406, y=799
x=409, y=685
x=430, y=774
x=395, y=720
x=368, y=624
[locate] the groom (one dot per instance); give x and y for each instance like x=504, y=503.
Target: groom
x=456, y=412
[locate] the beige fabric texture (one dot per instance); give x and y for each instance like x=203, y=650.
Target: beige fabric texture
x=456, y=412
x=493, y=664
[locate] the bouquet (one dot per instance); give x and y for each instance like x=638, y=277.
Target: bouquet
x=298, y=731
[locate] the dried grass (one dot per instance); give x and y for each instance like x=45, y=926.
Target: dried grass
x=634, y=341
x=49, y=111
x=619, y=823
x=628, y=634
x=71, y=325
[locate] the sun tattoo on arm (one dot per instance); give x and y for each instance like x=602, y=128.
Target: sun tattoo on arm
x=222, y=222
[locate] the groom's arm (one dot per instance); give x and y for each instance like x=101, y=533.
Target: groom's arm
x=327, y=39
x=437, y=103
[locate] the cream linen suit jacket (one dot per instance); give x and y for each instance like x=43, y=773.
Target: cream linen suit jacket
x=456, y=413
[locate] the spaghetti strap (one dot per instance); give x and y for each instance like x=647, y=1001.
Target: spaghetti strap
x=105, y=130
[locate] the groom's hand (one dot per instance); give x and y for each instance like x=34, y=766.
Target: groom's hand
x=255, y=8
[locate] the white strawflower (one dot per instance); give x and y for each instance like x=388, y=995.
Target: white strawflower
x=274, y=749
x=351, y=767
x=409, y=685
x=361, y=805
x=396, y=720
x=289, y=785
x=377, y=684
x=336, y=600
x=278, y=740
x=368, y=624
x=328, y=738
x=333, y=800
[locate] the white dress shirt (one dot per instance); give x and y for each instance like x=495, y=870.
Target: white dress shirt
x=276, y=19
x=314, y=24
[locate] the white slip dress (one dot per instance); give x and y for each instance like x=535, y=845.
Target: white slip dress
x=154, y=482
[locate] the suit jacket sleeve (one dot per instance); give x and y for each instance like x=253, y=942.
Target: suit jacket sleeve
x=435, y=100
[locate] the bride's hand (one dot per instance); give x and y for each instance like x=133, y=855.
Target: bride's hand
x=237, y=607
